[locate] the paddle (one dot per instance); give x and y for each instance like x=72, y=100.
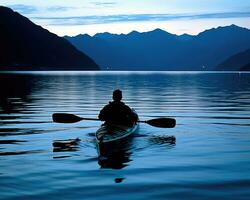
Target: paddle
x=71, y=118
x=161, y=122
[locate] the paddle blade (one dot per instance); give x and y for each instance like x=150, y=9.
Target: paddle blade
x=65, y=118
x=162, y=122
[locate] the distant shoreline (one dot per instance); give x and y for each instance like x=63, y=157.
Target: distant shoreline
x=120, y=72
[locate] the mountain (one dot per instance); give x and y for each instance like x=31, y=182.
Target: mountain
x=160, y=50
x=236, y=62
x=246, y=67
x=27, y=46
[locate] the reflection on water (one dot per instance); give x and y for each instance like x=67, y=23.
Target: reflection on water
x=207, y=157
x=11, y=141
x=116, y=155
x=119, y=180
x=67, y=145
x=162, y=139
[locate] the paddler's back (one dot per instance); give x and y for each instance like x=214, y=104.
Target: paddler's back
x=117, y=112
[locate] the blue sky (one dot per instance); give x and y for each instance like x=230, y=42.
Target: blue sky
x=72, y=17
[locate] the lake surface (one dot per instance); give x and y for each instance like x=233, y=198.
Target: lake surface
x=210, y=158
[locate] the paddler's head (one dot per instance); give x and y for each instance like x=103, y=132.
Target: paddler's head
x=117, y=95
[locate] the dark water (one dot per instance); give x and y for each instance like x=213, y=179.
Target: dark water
x=210, y=159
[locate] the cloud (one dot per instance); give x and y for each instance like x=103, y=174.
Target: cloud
x=28, y=9
x=106, y=19
x=59, y=8
x=24, y=9
x=104, y=4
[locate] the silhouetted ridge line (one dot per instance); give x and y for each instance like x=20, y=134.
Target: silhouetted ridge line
x=160, y=50
x=239, y=61
x=28, y=46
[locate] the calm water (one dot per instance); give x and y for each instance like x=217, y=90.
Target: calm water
x=210, y=159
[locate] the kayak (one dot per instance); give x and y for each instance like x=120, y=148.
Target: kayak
x=113, y=144
x=107, y=134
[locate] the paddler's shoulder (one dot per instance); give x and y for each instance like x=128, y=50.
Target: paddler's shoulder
x=116, y=103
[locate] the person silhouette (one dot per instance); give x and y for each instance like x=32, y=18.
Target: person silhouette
x=117, y=112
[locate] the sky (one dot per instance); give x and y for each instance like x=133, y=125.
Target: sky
x=73, y=17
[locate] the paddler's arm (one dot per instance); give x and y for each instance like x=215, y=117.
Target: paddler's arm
x=103, y=114
x=134, y=115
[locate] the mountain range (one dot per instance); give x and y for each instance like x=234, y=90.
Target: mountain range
x=27, y=46
x=239, y=61
x=160, y=50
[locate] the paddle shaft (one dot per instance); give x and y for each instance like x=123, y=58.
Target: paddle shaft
x=146, y=122
x=71, y=118
x=95, y=119
x=90, y=119
x=141, y=121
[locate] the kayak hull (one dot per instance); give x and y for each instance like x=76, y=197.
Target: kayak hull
x=107, y=134
x=114, y=145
